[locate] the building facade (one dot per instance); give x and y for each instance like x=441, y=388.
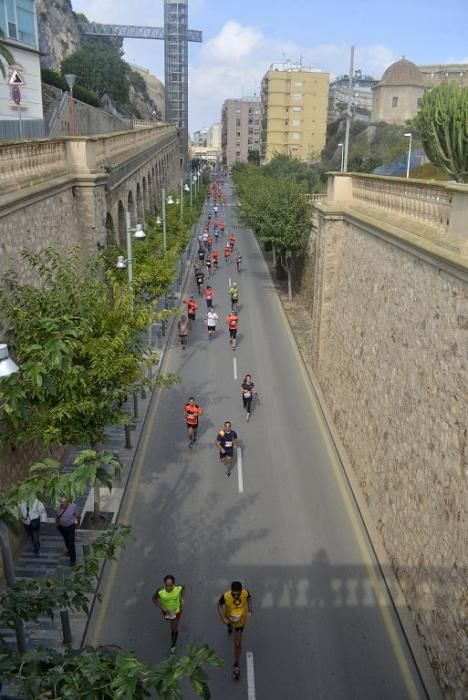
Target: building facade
x=361, y=96
x=214, y=136
x=294, y=112
x=445, y=73
x=397, y=95
x=200, y=137
x=240, y=129
x=21, y=114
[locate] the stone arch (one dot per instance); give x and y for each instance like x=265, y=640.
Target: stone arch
x=131, y=208
x=144, y=190
x=140, y=214
x=151, y=197
x=122, y=224
x=110, y=229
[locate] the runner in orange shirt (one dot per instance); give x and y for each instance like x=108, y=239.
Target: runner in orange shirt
x=227, y=254
x=232, y=241
x=233, y=322
x=192, y=412
x=209, y=296
x=215, y=257
x=192, y=306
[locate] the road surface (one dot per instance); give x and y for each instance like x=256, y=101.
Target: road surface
x=286, y=526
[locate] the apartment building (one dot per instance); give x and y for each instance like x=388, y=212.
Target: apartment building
x=240, y=133
x=214, y=136
x=361, y=96
x=294, y=103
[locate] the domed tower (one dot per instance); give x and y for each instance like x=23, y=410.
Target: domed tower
x=396, y=97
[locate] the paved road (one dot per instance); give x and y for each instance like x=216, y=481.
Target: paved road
x=292, y=536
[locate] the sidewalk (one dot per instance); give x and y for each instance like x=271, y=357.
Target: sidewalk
x=53, y=556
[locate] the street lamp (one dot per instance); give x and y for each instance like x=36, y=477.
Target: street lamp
x=71, y=79
x=410, y=136
x=342, y=156
x=121, y=263
x=7, y=366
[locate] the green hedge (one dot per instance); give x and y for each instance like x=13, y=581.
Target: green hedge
x=81, y=93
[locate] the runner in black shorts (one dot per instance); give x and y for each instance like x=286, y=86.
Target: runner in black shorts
x=226, y=440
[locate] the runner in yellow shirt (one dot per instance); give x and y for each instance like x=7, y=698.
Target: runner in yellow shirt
x=170, y=600
x=235, y=609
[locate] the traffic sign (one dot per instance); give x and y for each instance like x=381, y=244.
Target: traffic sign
x=16, y=79
x=16, y=94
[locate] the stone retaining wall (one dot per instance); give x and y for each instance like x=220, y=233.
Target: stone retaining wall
x=390, y=350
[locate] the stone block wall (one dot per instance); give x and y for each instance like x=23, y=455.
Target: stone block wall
x=390, y=350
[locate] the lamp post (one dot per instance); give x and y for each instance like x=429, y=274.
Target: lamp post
x=188, y=189
x=169, y=201
x=410, y=136
x=7, y=368
x=342, y=156
x=181, y=200
x=121, y=264
x=71, y=79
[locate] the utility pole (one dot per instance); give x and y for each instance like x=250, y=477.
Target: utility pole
x=348, y=112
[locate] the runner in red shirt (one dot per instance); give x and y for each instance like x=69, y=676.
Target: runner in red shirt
x=233, y=321
x=209, y=296
x=215, y=257
x=192, y=306
x=232, y=241
x=221, y=227
x=192, y=412
x=227, y=254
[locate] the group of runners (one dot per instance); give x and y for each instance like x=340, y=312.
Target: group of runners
x=234, y=609
x=235, y=605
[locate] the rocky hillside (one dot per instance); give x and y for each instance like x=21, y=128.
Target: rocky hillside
x=142, y=94
x=155, y=88
x=59, y=35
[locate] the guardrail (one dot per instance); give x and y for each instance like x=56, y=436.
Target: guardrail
x=26, y=163
x=440, y=206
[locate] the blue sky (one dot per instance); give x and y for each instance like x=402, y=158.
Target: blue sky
x=242, y=38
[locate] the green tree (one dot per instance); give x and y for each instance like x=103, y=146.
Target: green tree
x=79, y=346
x=99, y=67
x=6, y=57
x=276, y=207
x=442, y=122
x=106, y=673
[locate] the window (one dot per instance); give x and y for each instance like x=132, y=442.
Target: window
x=298, y=83
x=297, y=109
x=297, y=96
x=17, y=20
x=296, y=122
x=296, y=135
x=394, y=101
x=250, y=141
x=237, y=122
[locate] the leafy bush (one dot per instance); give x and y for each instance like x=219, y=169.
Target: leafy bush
x=50, y=77
x=85, y=95
x=100, y=68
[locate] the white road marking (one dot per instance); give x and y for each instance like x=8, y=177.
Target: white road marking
x=229, y=282
x=250, y=676
x=234, y=366
x=240, y=476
